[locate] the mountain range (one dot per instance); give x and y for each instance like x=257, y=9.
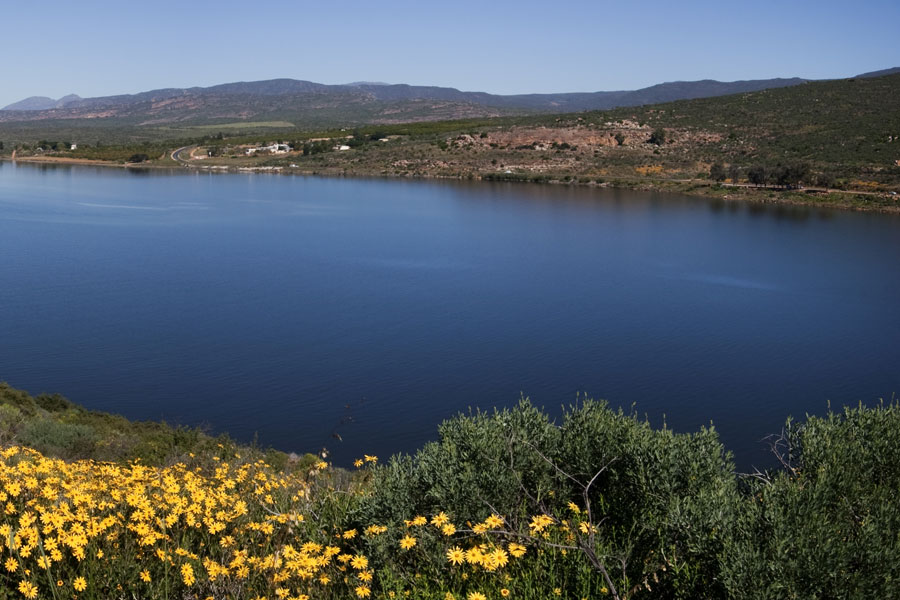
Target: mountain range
x=309, y=103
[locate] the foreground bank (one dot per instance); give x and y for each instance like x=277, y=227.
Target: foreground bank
x=506, y=504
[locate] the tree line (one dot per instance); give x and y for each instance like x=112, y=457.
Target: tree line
x=788, y=175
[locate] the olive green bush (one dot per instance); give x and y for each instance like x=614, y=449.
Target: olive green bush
x=827, y=525
x=662, y=502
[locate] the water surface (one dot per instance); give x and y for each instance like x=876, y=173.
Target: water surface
x=300, y=308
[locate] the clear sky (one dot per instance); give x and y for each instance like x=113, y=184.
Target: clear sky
x=100, y=47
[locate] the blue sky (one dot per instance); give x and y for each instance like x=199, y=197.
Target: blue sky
x=95, y=48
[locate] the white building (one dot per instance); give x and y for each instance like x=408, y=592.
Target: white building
x=273, y=149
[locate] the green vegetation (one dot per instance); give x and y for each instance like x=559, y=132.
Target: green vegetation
x=58, y=428
x=597, y=505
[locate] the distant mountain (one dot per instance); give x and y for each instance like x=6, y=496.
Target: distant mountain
x=41, y=103
x=880, y=73
x=359, y=83
x=306, y=103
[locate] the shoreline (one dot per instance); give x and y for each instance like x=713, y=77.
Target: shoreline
x=809, y=197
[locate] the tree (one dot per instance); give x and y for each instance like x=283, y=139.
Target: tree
x=620, y=139
x=138, y=158
x=825, y=180
x=758, y=175
x=658, y=136
x=792, y=174
x=734, y=173
x=717, y=172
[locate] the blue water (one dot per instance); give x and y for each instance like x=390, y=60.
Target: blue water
x=304, y=309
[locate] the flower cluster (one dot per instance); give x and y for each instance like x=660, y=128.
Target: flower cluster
x=80, y=525
x=237, y=529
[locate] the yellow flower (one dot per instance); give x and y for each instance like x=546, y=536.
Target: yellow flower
x=504, y=592
x=574, y=508
x=187, y=574
x=557, y=592
x=456, y=555
x=517, y=550
x=499, y=557
x=349, y=534
x=358, y=463
x=145, y=576
x=11, y=565
x=79, y=584
x=539, y=523
x=363, y=591
x=439, y=519
x=494, y=522
x=371, y=459
x=28, y=589
x=407, y=542
x=586, y=527
x=359, y=562
x=448, y=529
x=476, y=596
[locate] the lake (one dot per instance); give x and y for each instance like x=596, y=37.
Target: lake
x=304, y=310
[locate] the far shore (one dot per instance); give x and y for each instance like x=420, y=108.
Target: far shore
x=855, y=200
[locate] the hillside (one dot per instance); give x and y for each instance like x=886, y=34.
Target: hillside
x=841, y=135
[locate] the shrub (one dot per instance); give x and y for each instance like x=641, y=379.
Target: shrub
x=658, y=136
x=826, y=525
x=717, y=172
x=63, y=440
x=663, y=502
